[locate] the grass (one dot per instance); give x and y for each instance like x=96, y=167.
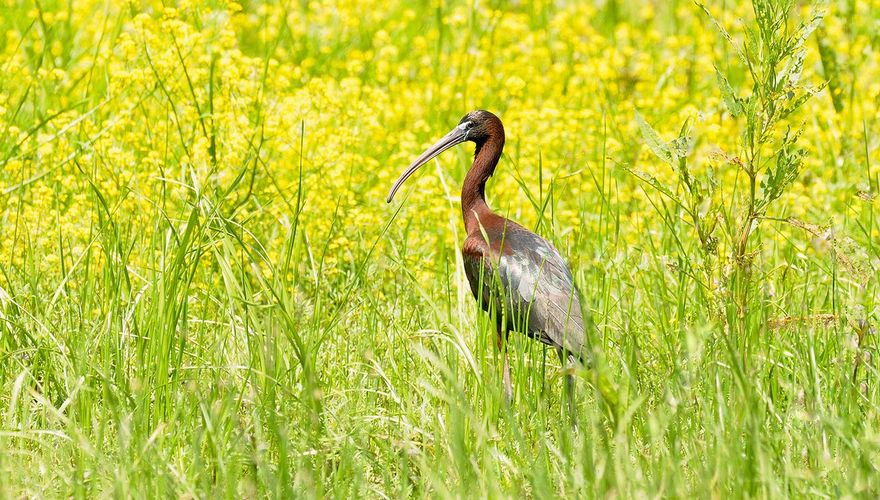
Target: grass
x=202, y=293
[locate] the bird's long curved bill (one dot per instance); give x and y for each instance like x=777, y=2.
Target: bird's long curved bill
x=456, y=136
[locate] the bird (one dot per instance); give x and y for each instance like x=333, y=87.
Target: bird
x=513, y=272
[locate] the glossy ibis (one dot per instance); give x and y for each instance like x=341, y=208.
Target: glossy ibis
x=513, y=272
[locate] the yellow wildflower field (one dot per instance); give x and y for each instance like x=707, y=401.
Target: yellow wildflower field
x=203, y=291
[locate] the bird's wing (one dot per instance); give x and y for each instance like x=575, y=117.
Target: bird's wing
x=535, y=275
x=538, y=287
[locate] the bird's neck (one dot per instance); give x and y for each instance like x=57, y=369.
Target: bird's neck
x=473, y=190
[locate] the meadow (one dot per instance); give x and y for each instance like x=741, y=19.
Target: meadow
x=204, y=294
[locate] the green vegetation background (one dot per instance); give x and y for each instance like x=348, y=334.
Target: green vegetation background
x=203, y=293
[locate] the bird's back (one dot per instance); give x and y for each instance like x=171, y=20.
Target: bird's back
x=538, y=290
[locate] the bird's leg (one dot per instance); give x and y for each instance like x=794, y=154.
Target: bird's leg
x=508, y=386
x=543, y=370
x=568, y=364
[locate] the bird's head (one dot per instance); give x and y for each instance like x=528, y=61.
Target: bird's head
x=476, y=126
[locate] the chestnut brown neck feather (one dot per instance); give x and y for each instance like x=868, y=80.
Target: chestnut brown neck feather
x=473, y=190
